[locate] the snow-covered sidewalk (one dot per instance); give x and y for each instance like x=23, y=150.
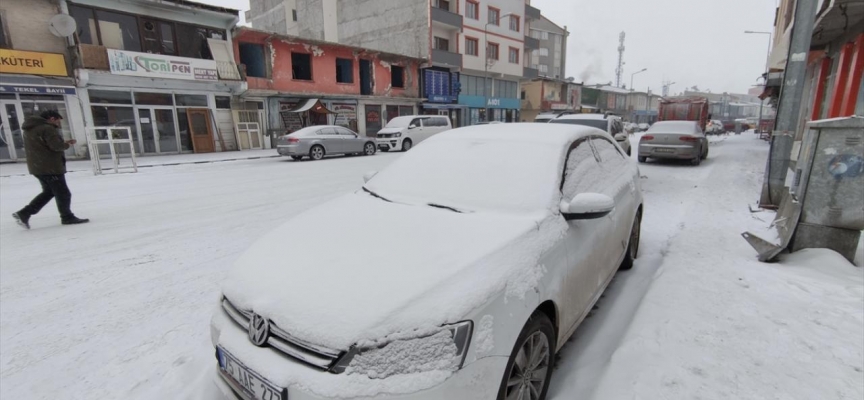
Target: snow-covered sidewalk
x=714, y=322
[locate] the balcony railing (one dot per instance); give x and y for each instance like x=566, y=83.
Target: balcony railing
x=532, y=12
x=532, y=43
x=446, y=59
x=448, y=18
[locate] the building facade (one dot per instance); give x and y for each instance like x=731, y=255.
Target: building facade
x=304, y=82
x=543, y=95
x=463, y=78
x=551, y=56
x=35, y=75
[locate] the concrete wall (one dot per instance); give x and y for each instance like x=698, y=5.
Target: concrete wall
x=270, y=15
x=324, y=69
x=399, y=27
x=26, y=21
x=501, y=34
x=310, y=19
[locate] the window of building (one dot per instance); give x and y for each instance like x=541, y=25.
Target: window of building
x=109, y=97
x=252, y=56
x=471, y=46
x=543, y=68
x=5, y=43
x=439, y=43
x=223, y=102
x=513, y=55
x=154, y=99
x=492, y=50
x=558, y=72
x=472, y=9
x=494, y=16
x=294, y=15
x=522, y=96
x=515, y=23
x=442, y=4
x=141, y=33
x=190, y=100
x=544, y=51
x=344, y=70
x=301, y=66
x=397, y=76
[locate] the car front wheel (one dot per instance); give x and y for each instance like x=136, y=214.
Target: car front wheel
x=369, y=149
x=407, y=144
x=529, y=368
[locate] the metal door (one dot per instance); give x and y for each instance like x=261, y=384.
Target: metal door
x=11, y=134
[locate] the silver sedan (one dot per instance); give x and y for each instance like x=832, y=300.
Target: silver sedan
x=682, y=140
x=316, y=142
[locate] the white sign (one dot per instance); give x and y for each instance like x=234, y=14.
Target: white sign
x=493, y=102
x=132, y=63
x=559, y=106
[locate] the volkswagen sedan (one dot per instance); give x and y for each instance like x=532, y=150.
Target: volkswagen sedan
x=316, y=142
x=679, y=140
x=458, y=272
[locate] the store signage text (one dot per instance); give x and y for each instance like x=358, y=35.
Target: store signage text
x=159, y=66
x=36, y=89
x=31, y=62
x=493, y=102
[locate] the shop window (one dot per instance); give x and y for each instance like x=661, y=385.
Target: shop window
x=110, y=97
x=154, y=99
x=344, y=70
x=183, y=123
x=253, y=57
x=392, y=112
x=223, y=102
x=191, y=100
x=301, y=66
x=406, y=110
x=118, y=31
x=5, y=43
x=397, y=76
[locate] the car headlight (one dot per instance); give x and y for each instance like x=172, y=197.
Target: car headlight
x=441, y=350
x=398, y=134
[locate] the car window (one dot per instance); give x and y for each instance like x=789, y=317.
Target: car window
x=441, y=121
x=346, y=132
x=327, y=131
x=582, y=172
x=610, y=155
x=416, y=121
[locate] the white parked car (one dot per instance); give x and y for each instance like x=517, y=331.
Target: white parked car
x=455, y=273
x=609, y=123
x=403, y=133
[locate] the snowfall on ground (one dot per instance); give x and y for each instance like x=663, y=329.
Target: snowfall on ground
x=120, y=307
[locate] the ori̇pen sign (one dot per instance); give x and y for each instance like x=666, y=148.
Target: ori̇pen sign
x=158, y=66
x=32, y=63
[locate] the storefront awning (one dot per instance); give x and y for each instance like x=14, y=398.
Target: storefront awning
x=313, y=105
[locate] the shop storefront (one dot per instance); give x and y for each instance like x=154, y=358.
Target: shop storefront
x=35, y=84
x=440, y=88
x=174, y=105
x=377, y=112
x=482, y=109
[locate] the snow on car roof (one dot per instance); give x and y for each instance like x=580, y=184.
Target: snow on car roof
x=583, y=116
x=561, y=135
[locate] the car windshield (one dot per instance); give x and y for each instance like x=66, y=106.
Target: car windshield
x=594, y=123
x=399, y=122
x=672, y=127
x=473, y=175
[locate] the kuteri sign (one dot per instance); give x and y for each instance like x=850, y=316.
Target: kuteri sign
x=31, y=62
x=158, y=66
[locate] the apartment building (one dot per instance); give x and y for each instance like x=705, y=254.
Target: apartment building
x=476, y=51
x=550, y=58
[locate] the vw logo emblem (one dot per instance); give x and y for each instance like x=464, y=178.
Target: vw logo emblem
x=259, y=330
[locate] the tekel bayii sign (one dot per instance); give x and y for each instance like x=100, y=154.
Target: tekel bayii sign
x=148, y=65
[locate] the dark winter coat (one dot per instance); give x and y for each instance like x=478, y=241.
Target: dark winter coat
x=44, y=146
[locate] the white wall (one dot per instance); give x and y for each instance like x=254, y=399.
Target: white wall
x=501, y=34
x=331, y=21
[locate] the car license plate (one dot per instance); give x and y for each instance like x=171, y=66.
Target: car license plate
x=662, y=150
x=252, y=384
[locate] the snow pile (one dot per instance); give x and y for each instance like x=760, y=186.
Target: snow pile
x=431, y=353
x=484, y=338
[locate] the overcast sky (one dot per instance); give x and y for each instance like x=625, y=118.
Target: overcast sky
x=690, y=42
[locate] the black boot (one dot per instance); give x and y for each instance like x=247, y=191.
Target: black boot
x=73, y=220
x=22, y=218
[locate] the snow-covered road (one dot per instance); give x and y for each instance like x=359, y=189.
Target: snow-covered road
x=119, y=308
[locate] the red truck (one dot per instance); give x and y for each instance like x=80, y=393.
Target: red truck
x=684, y=109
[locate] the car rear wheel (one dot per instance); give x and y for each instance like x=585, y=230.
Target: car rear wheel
x=316, y=152
x=642, y=159
x=407, y=144
x=633, y=247
x=369, y=149
x=529, y=368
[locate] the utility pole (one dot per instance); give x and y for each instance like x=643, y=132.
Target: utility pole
x=789, y=108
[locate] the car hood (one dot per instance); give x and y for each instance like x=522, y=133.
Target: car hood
x=391, y=130
x=358, y=268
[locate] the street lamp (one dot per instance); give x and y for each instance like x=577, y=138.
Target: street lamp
x=486, y=61
x=634, y=74
x=767, y=60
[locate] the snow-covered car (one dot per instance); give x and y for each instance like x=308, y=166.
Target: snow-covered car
x=643, y=126
x=608, y=123
x=682, y=140
x=455, y=273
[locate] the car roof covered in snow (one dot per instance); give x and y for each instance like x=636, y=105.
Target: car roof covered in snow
x=552, y=134
x=583, y=116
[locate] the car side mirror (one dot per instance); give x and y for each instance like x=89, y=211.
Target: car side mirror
x=369, y=175
x=587, y=206
x=412, y=126
x=620, y=137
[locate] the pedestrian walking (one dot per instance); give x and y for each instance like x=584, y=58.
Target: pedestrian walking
x=44, y=146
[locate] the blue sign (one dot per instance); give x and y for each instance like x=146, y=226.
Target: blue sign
x=36, y=89
x=438, y=86
x=491, y=102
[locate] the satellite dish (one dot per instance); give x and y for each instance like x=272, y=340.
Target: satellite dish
x=62, y=25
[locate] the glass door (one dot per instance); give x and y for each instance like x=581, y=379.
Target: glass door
x=158, y=130
x=11, y=135
x=148, y=136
